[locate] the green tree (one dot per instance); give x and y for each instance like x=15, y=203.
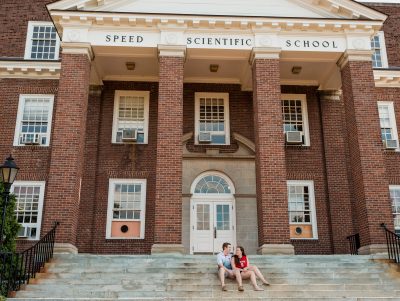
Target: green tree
x=10, y=233
x=11, y=225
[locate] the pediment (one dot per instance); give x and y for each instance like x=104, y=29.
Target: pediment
x=307, y=9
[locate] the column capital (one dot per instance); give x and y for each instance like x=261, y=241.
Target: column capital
x=353, y=56
x=330, y=95
x=172, y=50
x=264, y=53
x=78, y=48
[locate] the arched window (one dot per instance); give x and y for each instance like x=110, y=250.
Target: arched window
x=212, y=184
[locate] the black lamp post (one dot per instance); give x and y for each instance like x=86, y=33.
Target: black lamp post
x=8, y=172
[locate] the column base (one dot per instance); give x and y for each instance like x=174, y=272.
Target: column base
x=276, y=249
x=372, y=249
x=62, y=248
x=167, y=249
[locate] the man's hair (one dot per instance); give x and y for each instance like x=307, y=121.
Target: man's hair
x=225, y=245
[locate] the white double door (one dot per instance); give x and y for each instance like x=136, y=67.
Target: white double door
x=212, y=224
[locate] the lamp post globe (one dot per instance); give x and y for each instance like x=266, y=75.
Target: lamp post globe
x=8, y=173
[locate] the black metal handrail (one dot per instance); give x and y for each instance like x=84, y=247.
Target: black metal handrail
x=18, y=268
x=354, y=241
x=393, y=244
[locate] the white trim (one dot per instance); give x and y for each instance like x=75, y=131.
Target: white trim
x=21, y=107
x=304, y=111
x=112, y=183
x=30, y=69
x=28, y=43
x=197, y=97
x=118, y=94
x=392, y=118
x=211, y=173
x=311, y=192
x=382, y=43
x=42, y=185
x=394, y=187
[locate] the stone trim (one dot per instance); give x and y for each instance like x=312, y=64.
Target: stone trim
x=276, y=249
x=355, y=56
x=30, y=69
x=78, y=48
x=172, y=50
x=264, y=53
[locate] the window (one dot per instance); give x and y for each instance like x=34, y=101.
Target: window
x=388, y=124
x=379, y=57
x=212, y=118
x=295, y=116
x=34, y=120
x=126, y=209
x=212, y=184
x=302, y=217
x=42, y=42
x=131, y=117
x=395, y=196
x=29, y=207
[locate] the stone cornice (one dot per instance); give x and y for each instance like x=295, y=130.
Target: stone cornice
x=387, y=78
x=264, y=53
x=127, y=20
x=355, y=55
x=172, y=50
x=78, y=48
x=30, y=69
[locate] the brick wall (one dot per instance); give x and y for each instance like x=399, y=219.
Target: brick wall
x=67, y=154
x=370, y=185
x=391, y=29
x=14, y=17
x=308, y=163
x=168, y=209
x=272, y=204
x=121, y=161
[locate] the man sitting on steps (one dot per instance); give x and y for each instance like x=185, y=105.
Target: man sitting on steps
x=225, y=267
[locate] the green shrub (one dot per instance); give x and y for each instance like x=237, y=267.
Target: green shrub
x=10, y=233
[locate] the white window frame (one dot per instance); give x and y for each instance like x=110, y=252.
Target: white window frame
x=42, y=185
x=28, y=44
x=225, y=96
x=21, y=107
x=394, y=187
x=146, y=96
x=111, y=190
x=392, y=118
x=385, y=63
x=304, y=112
x=311, y=191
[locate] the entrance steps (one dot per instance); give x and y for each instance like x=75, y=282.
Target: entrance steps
x=159, y=277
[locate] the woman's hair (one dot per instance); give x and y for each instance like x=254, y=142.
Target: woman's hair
x=237, y=260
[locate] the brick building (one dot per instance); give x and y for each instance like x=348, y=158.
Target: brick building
x=155, y=126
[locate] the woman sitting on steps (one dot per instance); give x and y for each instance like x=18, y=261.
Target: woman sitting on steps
x=241, y=263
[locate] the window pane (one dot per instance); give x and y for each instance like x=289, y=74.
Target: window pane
x=43, y=35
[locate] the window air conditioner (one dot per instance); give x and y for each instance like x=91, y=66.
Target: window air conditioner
x=204, y=137
x=129, y=135
x=31, y=139
x=390, y=144
x=294, y=137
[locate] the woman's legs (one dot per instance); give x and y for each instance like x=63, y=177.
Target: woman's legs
x=258, y=274
x=253, y=279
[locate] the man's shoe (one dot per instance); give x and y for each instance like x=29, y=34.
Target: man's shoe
x=240, y=289
x=224, y=289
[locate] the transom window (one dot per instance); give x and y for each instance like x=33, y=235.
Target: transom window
x=379, y=57
x=131, y=114
x=212, y=184
x=212, y=118
x=126, y=208
x=388, y=124
x=34, y=120
x=302, y=209
x=294, y=115
x=395, y=196
x=42, y=41
x=29, y=206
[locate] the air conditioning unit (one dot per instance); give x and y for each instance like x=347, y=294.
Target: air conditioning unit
x=390, y=144
x=294, y=137
x=129, y=135
x=204, y=137
x=31, y=139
